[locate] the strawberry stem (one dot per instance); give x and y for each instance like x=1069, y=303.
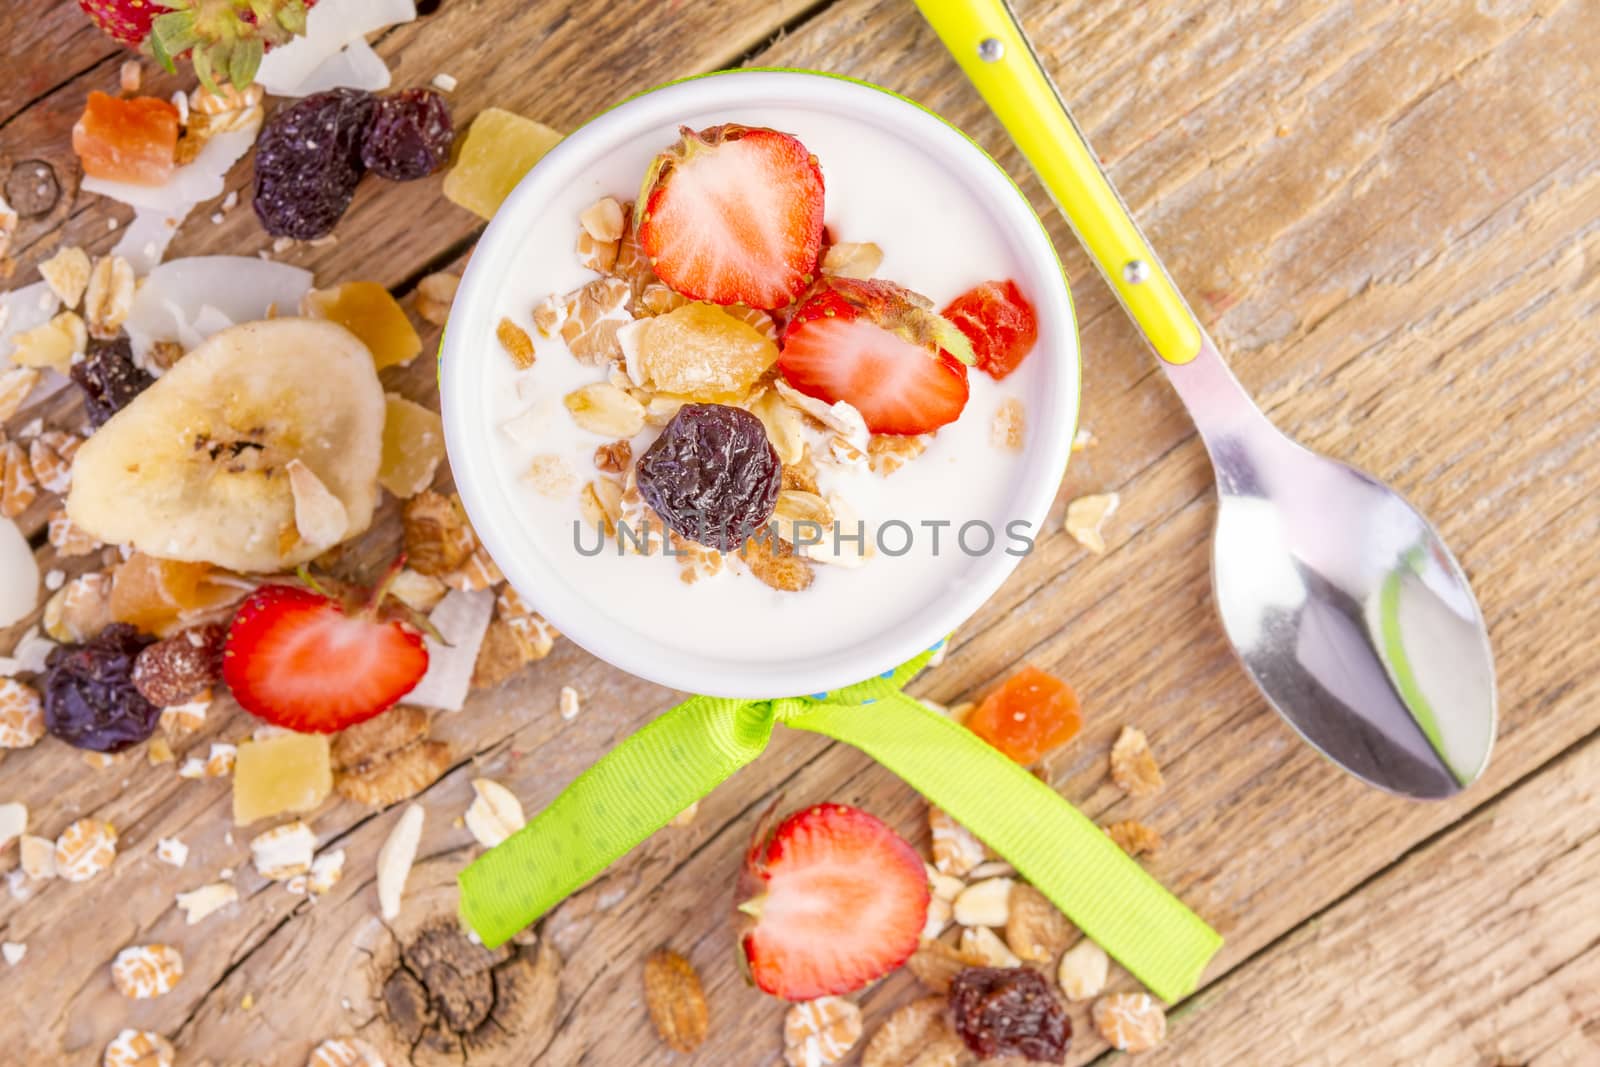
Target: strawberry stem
x=381, y=590
x=753, y=906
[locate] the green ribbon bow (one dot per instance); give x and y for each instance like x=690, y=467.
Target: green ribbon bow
x=687, y=752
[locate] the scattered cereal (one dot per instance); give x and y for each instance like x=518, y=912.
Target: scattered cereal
x=326, y=870
x=983, y=944
x=494, y=814
x=1132, y=1022
x=550, y=475
x=819, y=1032
x=1009, y=427
x=851, y=259
x=21, y=714
x=399, y=851
x=139, y=1048
x=1083, y=970
x=568, y=703
x=38, y=857
x=206, y=900
x=13, y=823
x=141, y=972
x=67, y=275
x=15, y=385
x=516, y=342
x=1133, y=765
x=1086, y=518
x=985, y=903
x=1035, y=929
x=676, y=1002
x=1134, y=837
x=435, y=293
x=955, y=850
x=84, y=849
x=109, y=297
x=171, y=851
x=284, y=851
x=916, y=1034
x=345, y=1051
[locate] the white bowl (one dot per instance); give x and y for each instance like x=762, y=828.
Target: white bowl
x=854, y=113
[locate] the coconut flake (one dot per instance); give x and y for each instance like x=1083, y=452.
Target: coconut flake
x=19, y=578
x=29, y=656
x=330, y=27
x=145, y=240
x=22, y=310
x=355, y=66
x=187, y=300
x=461, y=618
x=395, y=858
x=319, y=516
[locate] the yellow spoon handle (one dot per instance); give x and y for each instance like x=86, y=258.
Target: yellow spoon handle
x=988, y=43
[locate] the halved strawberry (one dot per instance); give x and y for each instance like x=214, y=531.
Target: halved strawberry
x=999, y=322
x=315, y=663
x=876, y=346
x=832, y=900
x=733, y=215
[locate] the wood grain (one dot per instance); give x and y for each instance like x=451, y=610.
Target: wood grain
x=1385, y=215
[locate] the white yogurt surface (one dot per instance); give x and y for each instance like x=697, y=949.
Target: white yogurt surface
x=939, y=240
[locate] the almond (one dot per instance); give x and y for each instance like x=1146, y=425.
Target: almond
x=982, y=943
x=1133, y=765
x=1132, y=1022
x=985, y=903
x=395, y=858
x=1036, y=930
x=495, y=813
x=676, y=1001
x=1083, y=970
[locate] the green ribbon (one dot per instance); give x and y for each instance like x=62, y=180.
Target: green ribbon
x=680, y=757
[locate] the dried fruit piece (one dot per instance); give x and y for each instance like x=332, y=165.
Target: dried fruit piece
x=1133, y=765
x=604, y=409
x=1009, y=1012
x=286, y=773
x=733, y=215
x=711, y=475
x=157, y=595
x=1030, y=714
x=516, y=342
x=1000, y=323
x=1009, y=427
x=143, y=971
x=89, y=697
x=1035, y=928
x=916, y=1035
x=593, y=315
x=84, y=849
x=21, y=714
x=139, y=1048
x=1083, y=970
x=702, y=352
x=133, y=141
x=955, y=850
x=1132, y=1022
x=308, y=161
x=51, y=345
x=179, y=667
x=1086, y=519
x=368, y=310
x=435, y=293
x=675, y=1000
x=67, y=275
x=408, y=136
x=437, y=537
x=1134, y=837
x=413, y=447
x=395, y=858
x=850, y=259
x=819, y=1032
x=984, y=946
x=109, y=378
x=497, y=150
x=207, y=900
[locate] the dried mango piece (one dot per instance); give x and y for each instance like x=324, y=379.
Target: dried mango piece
x=367, y=310
x=413, y=446
x=703, y=353
x=498, y=149
x=133, y=141
x=280, y=774
x=156, y=594
x=1030, y=714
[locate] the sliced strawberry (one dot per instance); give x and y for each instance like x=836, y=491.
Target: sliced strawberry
x=878, y=348
x=833, y=900
x=313, y=663
x=999, y=322
x=733, y=215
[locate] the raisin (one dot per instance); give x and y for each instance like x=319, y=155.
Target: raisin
x=109, y=378
x=712, y=476
x=308, y=161
x=409, y=137
x=175, y=669
x=1010, y=1011
x=89, y=697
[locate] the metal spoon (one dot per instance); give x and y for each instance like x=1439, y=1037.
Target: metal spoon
x=1342, y=602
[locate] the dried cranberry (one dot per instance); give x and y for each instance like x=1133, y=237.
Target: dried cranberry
x=89, y=697
x=712, y=476
x=1010, y=1011
x=409, y=137
x=175, y=669
x=308, y=161
x=109, y=378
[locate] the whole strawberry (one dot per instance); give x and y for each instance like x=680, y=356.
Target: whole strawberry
x=224, y=39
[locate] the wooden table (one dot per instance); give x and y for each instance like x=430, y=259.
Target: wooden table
x=1387, y=215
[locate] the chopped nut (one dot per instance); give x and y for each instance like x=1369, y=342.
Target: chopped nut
x=1035, y=930
x=1132, y=1022
x=207, y=900
x=84, y=849
x=437, y=537
x=955, y=850
x=916, y=1035
x=388, y=758
x=183, y=719
x=940, y=912
x=695, y=561
x=550, y=475
x=131, y=76
x=774, y=562
x=21, y=714
x=985, y=903
x=851, y=259
x=991, y=869
x=936, y=964
x=399, y=851
x=435, y=294
x=613, y=458
x=887, y=453
x=67, y=275
x=656, y=298
x=109, y=297
x=1008, y=429
x=943, y=886
x=501, y=655
x=603, y=219
x=676, y=1002
x=15, y=385
x=515, y=340
x=1133, y=765
x=1083, y=439
x=1086, y=518
x=494, y=814
x=17, y=487
x=80, y=609
x=819, y=1032
x=326, y=870
x=143, y=971
x=549, y=315
x=568, y=703
x=1083, y=970
x=479, y=572
x=982, y=943
x=594, y=314
x=284, y=851
x=604, y=409
x=139, y=1048
x=1134, y=837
